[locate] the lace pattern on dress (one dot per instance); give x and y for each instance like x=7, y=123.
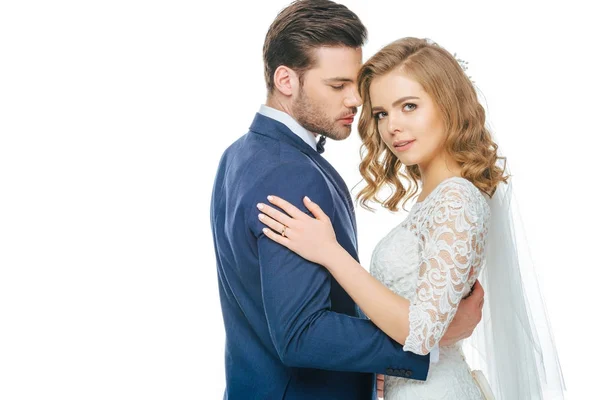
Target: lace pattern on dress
x=452, y=234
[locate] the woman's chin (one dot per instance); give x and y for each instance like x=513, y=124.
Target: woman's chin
x=407, y=161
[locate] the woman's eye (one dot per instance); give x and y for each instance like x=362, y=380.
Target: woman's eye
x=379, y=115
x=409, y=107
x=340, y=87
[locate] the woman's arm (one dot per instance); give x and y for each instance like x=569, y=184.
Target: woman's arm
x=314, y=239
x=385, y=308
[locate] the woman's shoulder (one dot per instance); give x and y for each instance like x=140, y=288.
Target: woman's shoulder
x=460, y=192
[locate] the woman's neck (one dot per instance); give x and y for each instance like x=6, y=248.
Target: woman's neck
x=436, y=171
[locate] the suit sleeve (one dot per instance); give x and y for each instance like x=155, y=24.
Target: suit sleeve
x=303, y=329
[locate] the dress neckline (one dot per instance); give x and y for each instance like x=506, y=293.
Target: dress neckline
x=419, y=203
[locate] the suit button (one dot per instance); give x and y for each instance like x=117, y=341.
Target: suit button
x=389, y=371
x=408, y=373
x=401, y=372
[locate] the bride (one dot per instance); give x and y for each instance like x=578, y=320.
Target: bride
x=424, y=134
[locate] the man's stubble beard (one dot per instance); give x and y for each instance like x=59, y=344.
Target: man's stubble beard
x=312, y=118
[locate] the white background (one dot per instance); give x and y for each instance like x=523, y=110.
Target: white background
x=113, y=116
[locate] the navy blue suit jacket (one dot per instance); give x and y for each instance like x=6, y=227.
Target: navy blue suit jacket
x=292, y=332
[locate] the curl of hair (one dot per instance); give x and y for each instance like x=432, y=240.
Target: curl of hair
x=468, y=140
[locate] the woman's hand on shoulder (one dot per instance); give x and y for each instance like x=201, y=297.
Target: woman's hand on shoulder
x=312, y=238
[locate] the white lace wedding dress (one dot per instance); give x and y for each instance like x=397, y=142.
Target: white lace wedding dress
x=433, y=258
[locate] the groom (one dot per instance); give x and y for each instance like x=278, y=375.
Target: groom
x=291, y=331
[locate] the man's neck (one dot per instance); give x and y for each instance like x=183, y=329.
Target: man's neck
x=289, y=121
x=275, y=103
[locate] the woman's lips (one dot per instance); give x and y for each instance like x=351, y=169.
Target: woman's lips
x=403, y=145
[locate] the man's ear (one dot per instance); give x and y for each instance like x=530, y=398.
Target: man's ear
x=286, y=80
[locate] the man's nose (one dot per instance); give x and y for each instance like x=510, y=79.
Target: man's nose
x=353, y=99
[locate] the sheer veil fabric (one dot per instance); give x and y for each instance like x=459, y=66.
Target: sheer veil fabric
x=513, y=344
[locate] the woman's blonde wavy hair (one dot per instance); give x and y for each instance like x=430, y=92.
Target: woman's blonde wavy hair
x=468, y=141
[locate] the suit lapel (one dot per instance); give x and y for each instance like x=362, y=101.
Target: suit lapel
x=276, y=130
x=340, y=185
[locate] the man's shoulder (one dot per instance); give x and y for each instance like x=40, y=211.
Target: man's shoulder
x=263, y=156
x=254, y=146
x=254, y=162
x=292, y=174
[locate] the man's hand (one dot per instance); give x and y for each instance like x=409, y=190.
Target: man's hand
x=380, y=386
x=467, y=317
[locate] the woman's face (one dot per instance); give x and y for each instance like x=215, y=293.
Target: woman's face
x=408, y=120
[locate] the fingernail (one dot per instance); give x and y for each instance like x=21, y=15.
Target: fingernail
x=308, y=198
x=260, y=216
x=260, y=206
x=269, y=198
x=264, y=230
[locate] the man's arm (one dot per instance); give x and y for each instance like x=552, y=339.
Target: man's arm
x=304, y=330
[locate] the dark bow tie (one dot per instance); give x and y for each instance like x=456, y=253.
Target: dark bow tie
x=321, y=144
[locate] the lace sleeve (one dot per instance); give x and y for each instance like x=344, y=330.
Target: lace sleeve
x=452, y=241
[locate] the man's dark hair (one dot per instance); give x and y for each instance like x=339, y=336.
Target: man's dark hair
x=304, y=26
